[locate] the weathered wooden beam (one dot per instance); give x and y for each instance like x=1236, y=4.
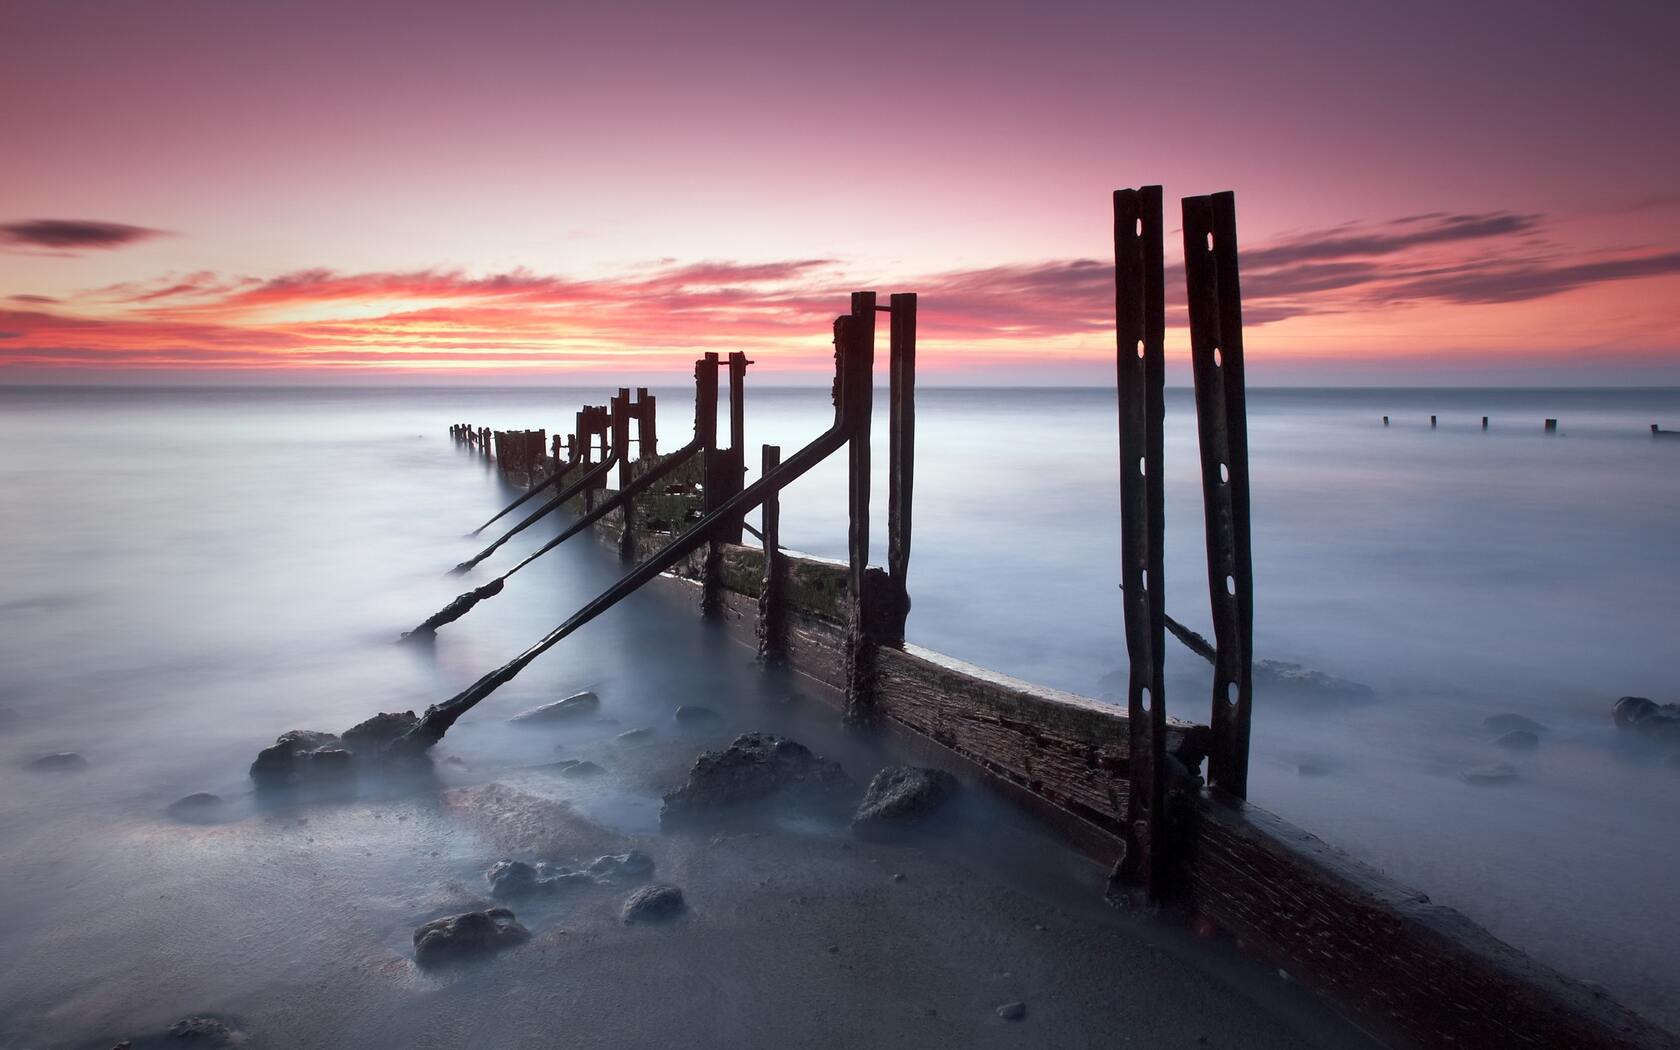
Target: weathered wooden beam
x=732, y=465
x=705, y=429
x=1140, y=373
x=1216, y=355
x=901, y=459
x=647, y=436
x=857, y=388
x=621, y=414
x=772, y=600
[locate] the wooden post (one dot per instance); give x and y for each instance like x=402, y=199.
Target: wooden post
x=1216, y=352
x=1551, y=426
x=772, y=605
x=621, y=443
x=705, y=432
x=1431, y=422
x=901, y=458
x=1140, y=377
x=1484, y=422
x=858, y=389
x=647, y=439
x=733, y=464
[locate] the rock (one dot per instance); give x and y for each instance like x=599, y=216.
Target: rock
x=278, y=764
x=694, y=715
x=756, y=767
x=1509, y=723
x=636, y=736
x=1279, y=676
x=511, y=878
x=578, y=705
x=325, y=763
x=1498, y=773
x=1012, y=1011
x=370, y=737
x=203, y=1032
x=653, y=904
x=515, y=878
x=634, y=864
x=1648, y=718
x=1519, y=740
x=197, y=808
x=578, y=770
x=901, y=796
x=468, y=935
x=63, y=762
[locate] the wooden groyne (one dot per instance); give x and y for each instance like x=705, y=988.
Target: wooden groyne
x=1161, y=799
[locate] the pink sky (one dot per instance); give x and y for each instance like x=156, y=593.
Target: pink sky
x=1475, y=193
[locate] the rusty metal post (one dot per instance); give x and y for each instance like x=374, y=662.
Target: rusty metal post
x=772, y=604
x=901, y=458
x=705, y=432
x=858, y=390
x=647, y=439
x=1216, y=354
x=1140, y=377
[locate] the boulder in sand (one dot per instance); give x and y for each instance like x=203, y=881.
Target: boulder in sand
x=756, y=767
x=1498, y=773
x=63, y=762
x=695, y=715
x=278, y=764
x=578, y=705
x=653, y=904
x=1509, y=723
x=634, y=864
x=199, y=808
x=1648, y=718
x=471, y=934
x=203, y=1031
x=510, y=879
x=1519, y=740
x=901, y=797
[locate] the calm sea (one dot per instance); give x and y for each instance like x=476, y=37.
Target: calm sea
x=188, y=571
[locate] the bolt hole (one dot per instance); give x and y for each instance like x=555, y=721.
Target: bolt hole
x=1231, y=693
x=1143, y=580
x=1140, y=348
x=1224, y=474
x=1210, y=240
x=1144, y=697
x=1230, y=585
x=1218, y=358
x=1143, y=466
x=1140, y=227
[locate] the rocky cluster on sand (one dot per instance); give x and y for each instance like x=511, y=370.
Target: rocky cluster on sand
x=468, y=935
x=510, y=879
x=1649, y=719
x=309, y=756
x=656, y=903
x=755, y=768
x=901, y=797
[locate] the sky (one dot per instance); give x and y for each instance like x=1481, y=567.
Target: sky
x=524, y=191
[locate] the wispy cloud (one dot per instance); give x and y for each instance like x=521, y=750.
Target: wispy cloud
x=70, y=235
x=661, y=314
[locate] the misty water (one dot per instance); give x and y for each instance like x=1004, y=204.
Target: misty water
x=188, y=573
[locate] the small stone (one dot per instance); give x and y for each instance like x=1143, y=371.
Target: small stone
x=637, y=735
x=834, y=949
x=1498, y=773
x=756, y=767
x=277, y=764
x=653, y=904
x=512, y=878
x=694, y=714
x=900, y=796
x=203, y=1032
x=467, y=935
x=1509, y=723
x=196, y=808
x=1519, y=740
x=578, y=770
x=898, y=876
x=1012, y=1011
x=63, y=762
x=578, y=705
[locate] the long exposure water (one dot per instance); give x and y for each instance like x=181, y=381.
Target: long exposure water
x=188, y=572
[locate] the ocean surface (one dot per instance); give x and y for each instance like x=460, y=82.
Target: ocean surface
x=188, y=572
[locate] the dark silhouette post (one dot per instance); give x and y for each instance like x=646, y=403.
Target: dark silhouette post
x=1216, y=353
x=857, y=389
x=1140, y=374
x=901, y=459
x=772, y=604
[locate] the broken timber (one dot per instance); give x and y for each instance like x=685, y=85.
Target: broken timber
x=1412, y=972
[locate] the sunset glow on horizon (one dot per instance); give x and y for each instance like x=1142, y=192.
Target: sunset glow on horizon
x=207, y=190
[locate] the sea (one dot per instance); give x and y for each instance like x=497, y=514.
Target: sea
x=186, y=572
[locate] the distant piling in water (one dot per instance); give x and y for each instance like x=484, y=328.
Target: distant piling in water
x=1484, y=422
x=1431, y=422
x=1385, y=421
x=1551, y=426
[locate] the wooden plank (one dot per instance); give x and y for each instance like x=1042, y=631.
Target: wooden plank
x=1216, y=354
x=901, y=460
x=621, y=413
x=1140, y=373
x=1413, y=971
